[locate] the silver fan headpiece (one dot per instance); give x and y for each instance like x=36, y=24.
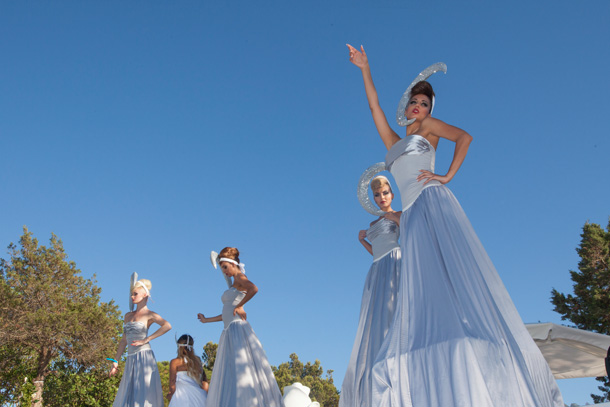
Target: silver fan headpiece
x=133, y=280
x=363, y=188
x=404, y=101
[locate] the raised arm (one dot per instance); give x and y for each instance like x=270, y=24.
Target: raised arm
x=359, y=58
x=438, y=128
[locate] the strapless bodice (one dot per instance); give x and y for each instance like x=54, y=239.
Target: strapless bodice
x=135, y=331
x=230, y=299
x=405, y=160
x=383, y=236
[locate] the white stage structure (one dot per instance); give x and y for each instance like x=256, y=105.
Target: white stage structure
x=571, y=352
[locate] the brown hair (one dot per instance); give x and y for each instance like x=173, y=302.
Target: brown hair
x=423, y=88
x=193, y=363
x=230, y=253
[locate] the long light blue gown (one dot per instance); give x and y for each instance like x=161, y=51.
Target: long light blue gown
x=242, y=375
x=141, y=384
x=376, y=313
x=456, y=338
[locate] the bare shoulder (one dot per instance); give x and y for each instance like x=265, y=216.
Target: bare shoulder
x=242, y=283
x=436, y=128
x=128, y=317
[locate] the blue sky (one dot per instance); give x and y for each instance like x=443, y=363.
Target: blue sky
x=145, y=134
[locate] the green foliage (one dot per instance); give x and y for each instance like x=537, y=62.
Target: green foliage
x=49, y=313
x=164, y=373
x=17, y=370
x=208, y=358
x=322, y=389
x=588, y=307
x=69, y=385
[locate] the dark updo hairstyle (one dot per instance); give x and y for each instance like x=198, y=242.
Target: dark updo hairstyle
x=423, y=88
x=230, y=253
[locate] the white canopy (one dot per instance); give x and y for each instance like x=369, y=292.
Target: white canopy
x=571, y=352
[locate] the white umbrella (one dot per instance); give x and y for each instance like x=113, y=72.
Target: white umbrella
x=571, y=352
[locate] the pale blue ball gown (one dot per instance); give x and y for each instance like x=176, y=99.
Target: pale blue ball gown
x=377, y=309
x=456, y=338
x=242, y=375
x=188, y=392
x=141, y=384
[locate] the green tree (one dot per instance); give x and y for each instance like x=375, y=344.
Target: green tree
x=50, y=314
x=323, y=389
x=164, y=373
x=75, y=386
x=589, y=306
x=208, y=358
x=17, y=369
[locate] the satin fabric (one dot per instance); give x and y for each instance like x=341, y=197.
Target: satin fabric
x=188, y=392
x=141, y=384
x=242, y=375
x=456, y=338
x=377, y=309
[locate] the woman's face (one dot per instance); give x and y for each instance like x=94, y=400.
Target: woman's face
x=418, y=107
x=229, y=269
x=138, y=295
x=383, y=198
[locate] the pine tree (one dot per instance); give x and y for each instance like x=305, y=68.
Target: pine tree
x=50, y=313
x=589, y=306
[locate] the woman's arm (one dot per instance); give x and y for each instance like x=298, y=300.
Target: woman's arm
x=205, y=386
x=119, y=353
x=202, y=318
x=154, y=318
x=359, y=58
x=362, y=240
x=173, y=365
x=243, y=284
x=438, y=128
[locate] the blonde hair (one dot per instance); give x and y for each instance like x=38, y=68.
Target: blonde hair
x=379, y=182
x=145, y=282
x=194, y=368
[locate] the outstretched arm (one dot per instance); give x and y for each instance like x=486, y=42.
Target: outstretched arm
x=462, y=140
x=202, y=318
x=359, y=58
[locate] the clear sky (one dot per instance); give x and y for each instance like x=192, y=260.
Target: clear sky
x=147, y=133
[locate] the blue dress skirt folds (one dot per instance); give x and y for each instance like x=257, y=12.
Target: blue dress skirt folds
x=456, y=338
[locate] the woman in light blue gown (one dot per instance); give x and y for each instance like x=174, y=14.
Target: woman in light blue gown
x=141, y=384
x=456, y=338
x=242, y=375
x=378, y=298
x=187, y=381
